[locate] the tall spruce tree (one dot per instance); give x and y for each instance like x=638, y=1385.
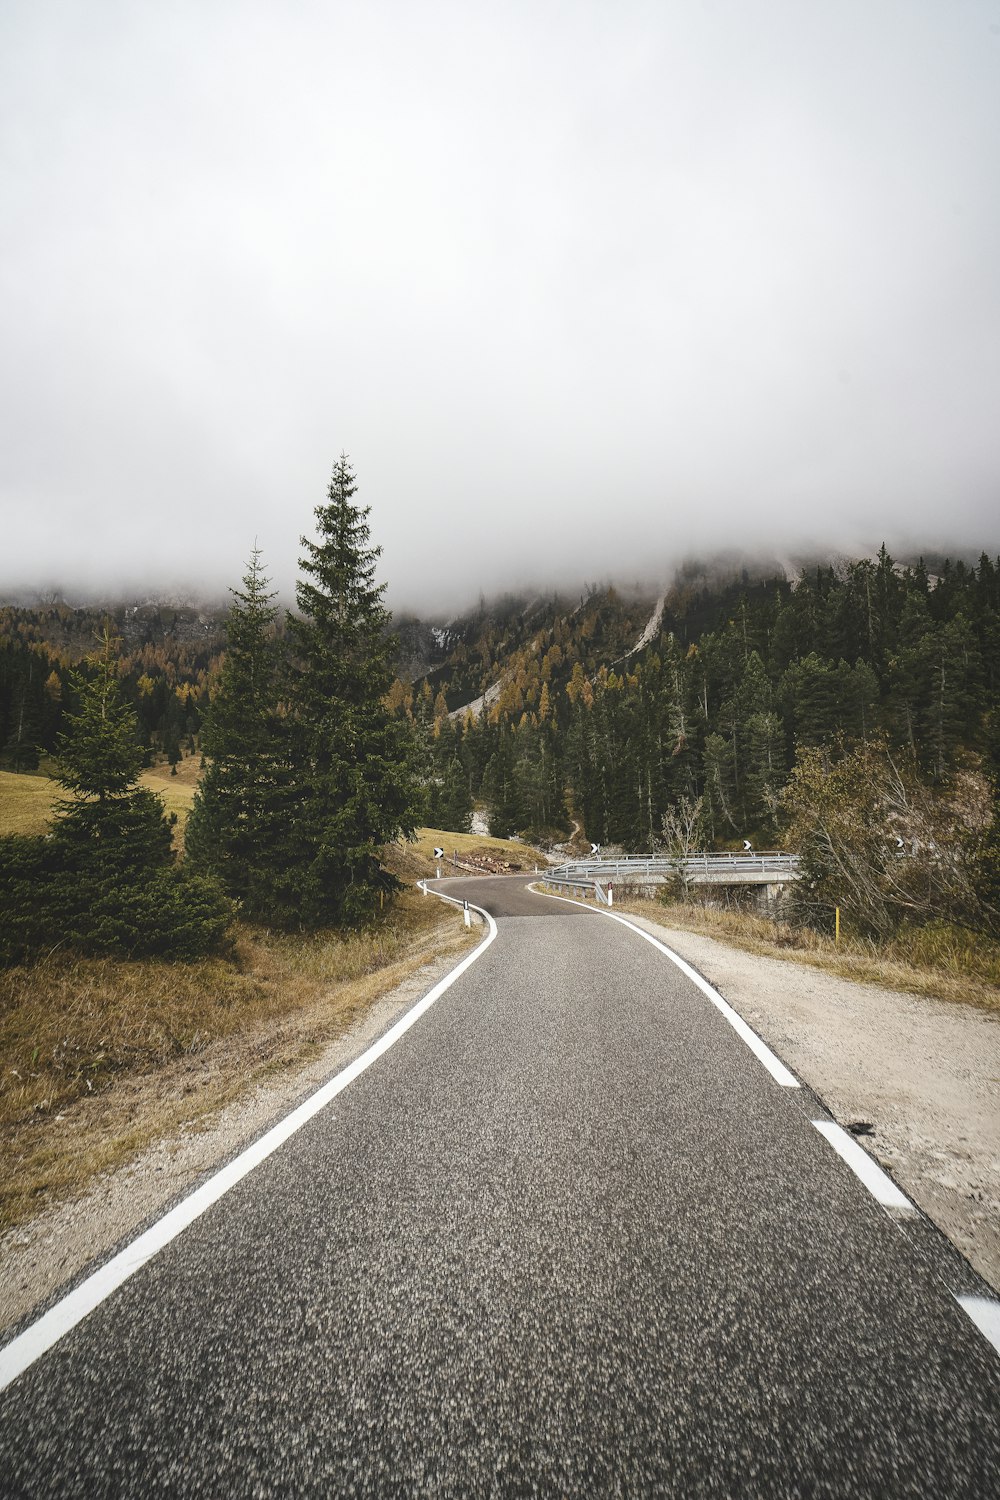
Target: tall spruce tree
x=234, y=828
x=354, y=785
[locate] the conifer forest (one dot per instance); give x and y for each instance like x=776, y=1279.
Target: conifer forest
x=737, y=699
x=740, y=677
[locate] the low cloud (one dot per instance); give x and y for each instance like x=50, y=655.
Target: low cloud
x=581, y=291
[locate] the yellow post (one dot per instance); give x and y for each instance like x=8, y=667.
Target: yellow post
x=836, y=931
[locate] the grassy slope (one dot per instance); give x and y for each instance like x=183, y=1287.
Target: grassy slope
x=26, y=802
x=502, y=851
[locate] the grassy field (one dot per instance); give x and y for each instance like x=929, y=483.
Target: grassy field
x=502, y=851
x=26, y=801
x=177, y=791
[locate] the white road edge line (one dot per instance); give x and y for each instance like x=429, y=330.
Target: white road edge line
x=985, y=1313
x=878, y=1183
x=70, y=1310
x=759, y=1048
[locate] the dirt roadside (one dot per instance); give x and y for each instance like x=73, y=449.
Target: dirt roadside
x=924, y=1072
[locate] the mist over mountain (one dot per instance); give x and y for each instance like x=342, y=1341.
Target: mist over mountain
x=581, y=291
x=458, y=593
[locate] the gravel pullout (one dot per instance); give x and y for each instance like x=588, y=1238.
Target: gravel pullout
x=924, y=1073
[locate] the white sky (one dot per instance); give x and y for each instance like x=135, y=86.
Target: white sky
x=579, y=287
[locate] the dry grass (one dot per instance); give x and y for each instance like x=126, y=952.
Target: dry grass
x=99, y=1056
x=188, y=772
x=937, y=961
x=27, y=800
x=177, y=793
x=503, y=851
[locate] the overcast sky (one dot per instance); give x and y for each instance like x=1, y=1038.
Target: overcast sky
x=579, y=287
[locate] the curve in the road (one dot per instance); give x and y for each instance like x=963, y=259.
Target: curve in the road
x=568, y=1238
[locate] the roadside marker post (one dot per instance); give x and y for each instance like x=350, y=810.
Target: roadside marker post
x=836, y=926
x=611, y=894
x=468, y=915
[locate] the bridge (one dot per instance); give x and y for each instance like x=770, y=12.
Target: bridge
x=770, y=871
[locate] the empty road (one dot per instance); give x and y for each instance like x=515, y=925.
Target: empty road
x=569, y=1236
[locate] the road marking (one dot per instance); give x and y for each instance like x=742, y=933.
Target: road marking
x=74, y=1307
x=759, y=1048
x=878, y=1183
x=985, y=1313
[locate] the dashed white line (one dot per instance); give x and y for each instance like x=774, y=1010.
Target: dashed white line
x=878, y=1183
x=985, y=1313
x=74, y=1307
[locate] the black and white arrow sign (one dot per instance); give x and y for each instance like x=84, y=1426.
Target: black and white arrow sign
x=747, y=847
x=595, y=848
x=439, y=854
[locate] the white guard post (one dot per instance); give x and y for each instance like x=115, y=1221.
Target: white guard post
x=468, y=915
x=611, y=894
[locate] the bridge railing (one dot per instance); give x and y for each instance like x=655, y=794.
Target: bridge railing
x=638, y=867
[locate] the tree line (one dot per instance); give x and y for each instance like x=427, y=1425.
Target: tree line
x=165, y=676
x=853, y=715
x=740, y=680
x=755, y=699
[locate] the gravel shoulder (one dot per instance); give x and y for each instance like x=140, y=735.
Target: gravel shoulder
x=925, y=1073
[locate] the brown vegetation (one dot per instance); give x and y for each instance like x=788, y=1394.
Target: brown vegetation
x=940, y=960
x=100, y=1056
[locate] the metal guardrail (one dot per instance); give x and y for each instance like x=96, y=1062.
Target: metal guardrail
x=720, y=866
x=578, y=886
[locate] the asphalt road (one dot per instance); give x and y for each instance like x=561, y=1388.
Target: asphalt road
x=566, y=1238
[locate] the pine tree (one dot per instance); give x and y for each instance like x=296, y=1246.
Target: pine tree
x=986, y=868
x=500, y=786
x=232, y=831
x=104, y=880
x=455, y=802
x=354, y=788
